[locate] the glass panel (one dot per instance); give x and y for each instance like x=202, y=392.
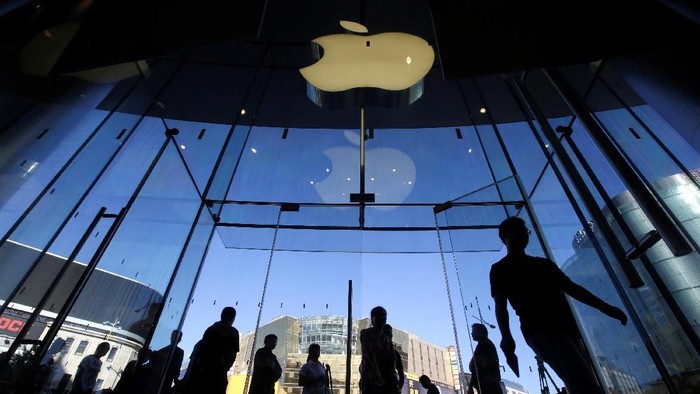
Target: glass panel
x=622, y=366
x=64, y=194
x=399, y=171
x=307, y=302
x=123, y=296
x=313, y=165
x=42, y=142
x=411, y=287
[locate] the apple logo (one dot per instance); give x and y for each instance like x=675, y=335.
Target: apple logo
x=375, y=66
x=389, y=173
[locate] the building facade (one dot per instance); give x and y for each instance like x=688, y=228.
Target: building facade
x=295, y=334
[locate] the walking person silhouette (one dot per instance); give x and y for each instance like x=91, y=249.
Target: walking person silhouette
x=536, y=289
x=484, y=365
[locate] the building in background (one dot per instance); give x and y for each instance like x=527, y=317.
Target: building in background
x=329, y=331
x=85, y=327
x=513, y=388
x=679, y=273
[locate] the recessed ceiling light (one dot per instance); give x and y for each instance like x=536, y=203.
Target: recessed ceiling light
x=182, y=146
x=253, y=150
x=242, y=111
x=482, y=110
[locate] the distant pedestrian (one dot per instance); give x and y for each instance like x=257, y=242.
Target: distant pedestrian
x=135, y=375
x=484, y=365
x=266, y=368
x=89, y=368
x=159, y=359
x=213, y=356
x=428, y=385
x=389, y=331
x=378, y=365
x=313, y=375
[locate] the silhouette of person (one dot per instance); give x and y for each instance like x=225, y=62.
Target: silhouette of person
x=89, y=368
x=313, y=375
x=536, y=289
x=214, y=355
x=159, y=359
x=389, y=332
x=266, y=369
x=428, y=385
x=135, y=375
x=378, y=365
x=484, y=365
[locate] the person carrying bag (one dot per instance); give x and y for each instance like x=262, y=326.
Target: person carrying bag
x=313, y=376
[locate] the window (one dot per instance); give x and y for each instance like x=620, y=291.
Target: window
x=66, y=347
x=112, y=354
x=81, y=348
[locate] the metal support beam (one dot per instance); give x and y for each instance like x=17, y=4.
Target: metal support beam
x=672, y=236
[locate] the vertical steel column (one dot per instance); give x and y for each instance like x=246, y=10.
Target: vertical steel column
x=49, y=290
x=521, y=188
x=608, y=235
x=348, y=357
x=362, y=167
x=57, y=323
x=674, y=239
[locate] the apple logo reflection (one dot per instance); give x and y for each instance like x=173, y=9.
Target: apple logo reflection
x=390, y=173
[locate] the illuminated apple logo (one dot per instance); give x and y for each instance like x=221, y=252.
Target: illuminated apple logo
x=393, y=62
x=390, y=173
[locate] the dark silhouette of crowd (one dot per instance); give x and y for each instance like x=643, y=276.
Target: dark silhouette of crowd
x=535, y=287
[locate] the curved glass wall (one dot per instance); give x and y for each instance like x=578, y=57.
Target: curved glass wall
x=212, y=198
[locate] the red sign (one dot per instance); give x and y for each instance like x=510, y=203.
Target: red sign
x=10, y=326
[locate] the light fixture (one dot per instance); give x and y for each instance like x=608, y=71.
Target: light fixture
x=253, y=150
x=482, y=110
x=242, y=111
x=182, y=146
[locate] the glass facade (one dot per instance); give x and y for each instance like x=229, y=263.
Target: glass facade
x=139, y=205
